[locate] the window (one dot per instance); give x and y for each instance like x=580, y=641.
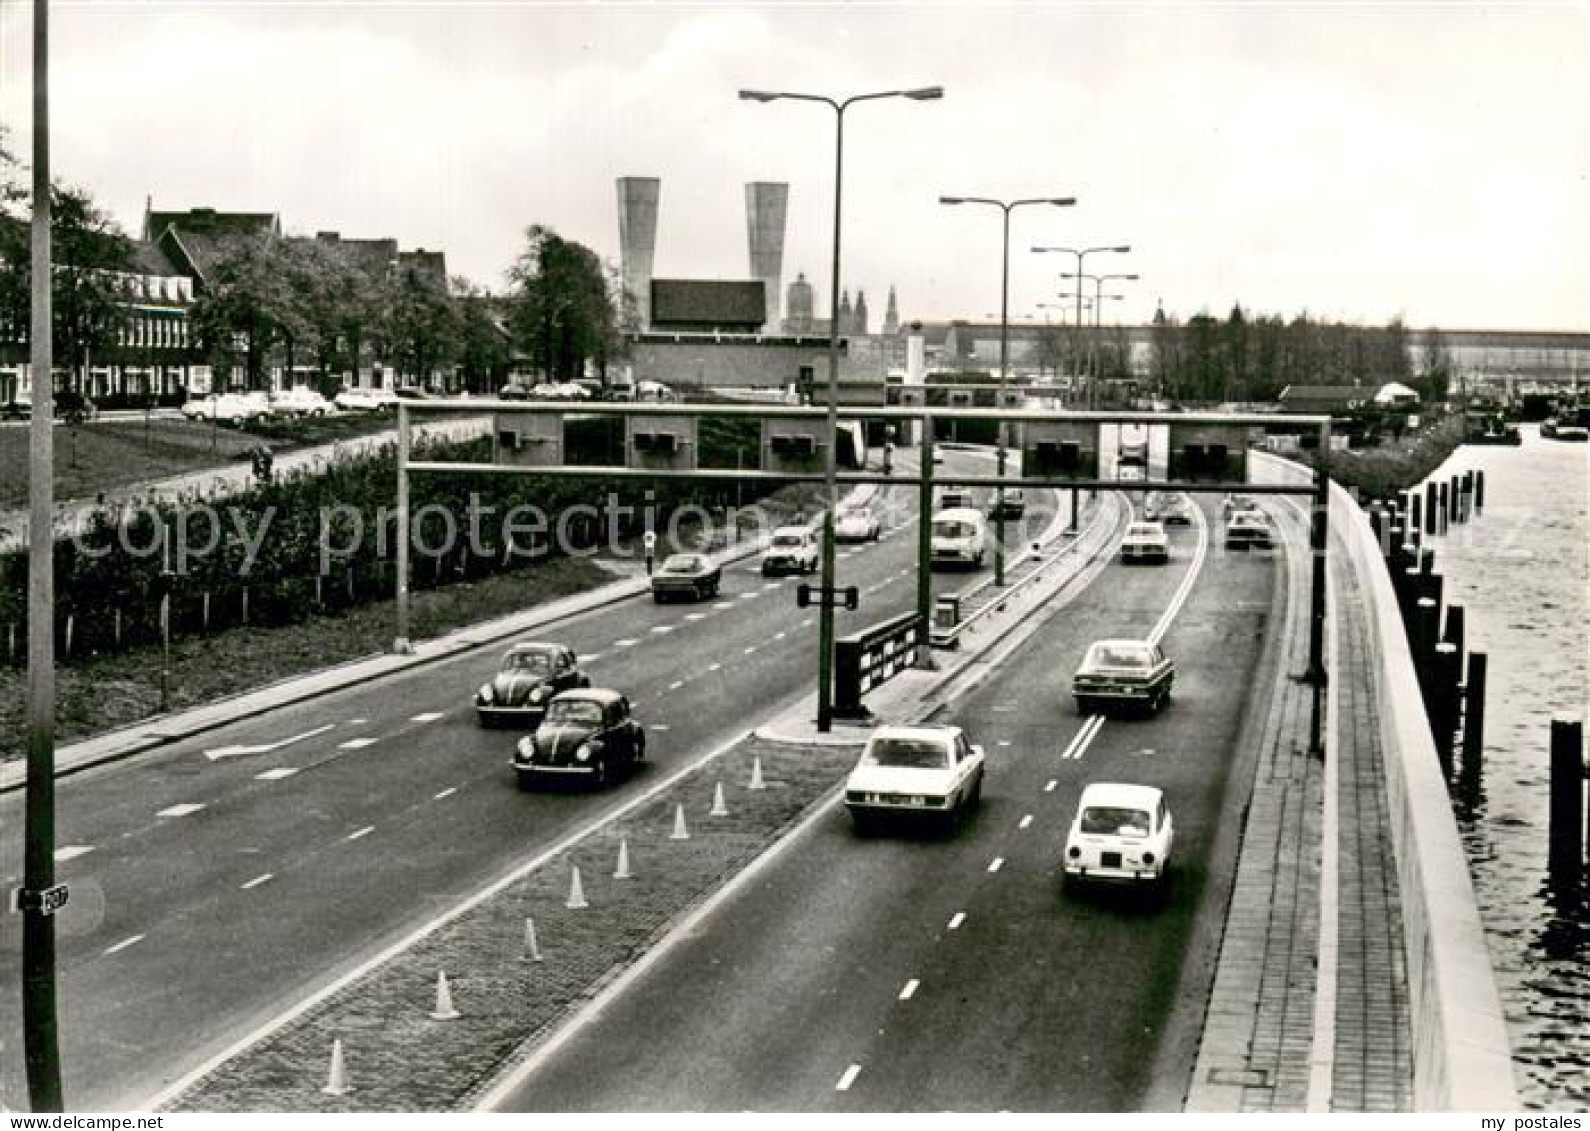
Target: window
x=1110, y=820
x=908, y=753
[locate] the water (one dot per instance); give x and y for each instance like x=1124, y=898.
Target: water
x=1521, y=571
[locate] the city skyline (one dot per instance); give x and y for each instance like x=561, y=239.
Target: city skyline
x=1361, y=164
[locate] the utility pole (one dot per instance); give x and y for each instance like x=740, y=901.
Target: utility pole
x=39, y=897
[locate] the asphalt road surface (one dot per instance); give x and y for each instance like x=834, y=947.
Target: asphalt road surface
x=219, y=881
x=913, y=971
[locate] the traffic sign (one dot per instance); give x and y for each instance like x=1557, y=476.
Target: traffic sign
x=846, y=597
x=46, y=901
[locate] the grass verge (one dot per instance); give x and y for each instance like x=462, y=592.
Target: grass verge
x=1381, y=472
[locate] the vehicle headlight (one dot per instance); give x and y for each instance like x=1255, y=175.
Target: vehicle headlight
x=584, y=753
x=538, y=694
x=527, y=749
x=485, y=694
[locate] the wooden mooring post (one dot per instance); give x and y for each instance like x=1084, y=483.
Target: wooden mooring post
x=1474, y=724
x=1567, y=834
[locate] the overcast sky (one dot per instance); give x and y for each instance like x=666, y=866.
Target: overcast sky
x=1358, y=162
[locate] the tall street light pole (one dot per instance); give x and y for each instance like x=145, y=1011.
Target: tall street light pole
x=1098, y=311
x=40, y=897
x=1005, y=207
x=825, y=610
x=1082, y=254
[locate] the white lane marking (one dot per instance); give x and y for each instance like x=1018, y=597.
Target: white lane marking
x=1050, y=787
x=956, y=920
x=357, y=833
x=257, y=880
x=1083, y=738
x=751, y=650
x=663, y=629
x=72, y=852
x=910, y=990
x=448, y=792
x=659, y=726
x=356, y=744
x=1025, y=821
x=277, y=774
x=848, y=1078
x=588, y=657
x=676, y=685
x=724, y=605
x=1184, y=590
x=780, y=635
x=357, y=722
x=749, y=596
x=264, y=747
x=180, y=810
x=628, y=642
x=807, y=623
x=695, y=616
x=996, y=864
x=1003, y=742
x=123, y=945
x=426, y=717
x=714, y=667
x=772, y=584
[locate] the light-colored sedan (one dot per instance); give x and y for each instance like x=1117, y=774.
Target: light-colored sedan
x=1145, y=542
x=1120, y=834
x=928, y=771
x=301, y=400
x=857, y=524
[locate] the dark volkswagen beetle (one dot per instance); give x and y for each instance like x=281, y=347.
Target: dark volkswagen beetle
x=531, y=674
x=588, y=733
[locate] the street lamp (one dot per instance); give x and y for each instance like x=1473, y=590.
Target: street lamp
x=1098, y=311
x=1081, y=254
x=825, y=608
x=1005, y=207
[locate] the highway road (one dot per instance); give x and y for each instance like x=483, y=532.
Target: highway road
x=218, y=881
x=921, y=972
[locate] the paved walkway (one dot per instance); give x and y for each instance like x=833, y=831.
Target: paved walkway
x=1309, y=1010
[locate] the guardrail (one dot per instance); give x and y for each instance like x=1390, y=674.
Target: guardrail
x=1462, y=1060
x=867, y=658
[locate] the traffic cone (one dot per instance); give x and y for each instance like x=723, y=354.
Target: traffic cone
x=337, y=1079
x=622, y=872
x=680, y=832
x=576, y=892
x=756, y=775
x=532, y=951
x=444, y=1010
x=719, y=809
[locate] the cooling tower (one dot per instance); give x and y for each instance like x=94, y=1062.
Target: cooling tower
x=765, y=205
x=637, y=240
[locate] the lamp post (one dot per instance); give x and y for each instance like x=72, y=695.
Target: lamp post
x=1082, y=254
x=1098, y=309
x=825, y=610
x=1005, y=207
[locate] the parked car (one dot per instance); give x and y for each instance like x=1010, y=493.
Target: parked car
x=1132, y=672
x=1145, y=542
x=587, y=734
x=1011, y=502
x=692, y=576
x=227, y=408
x=792, y=550
x=530, y=675
x=513, y=392
x=355, y=399
x=931, y=771
x=18, y=408
x=1247, y=529
x=857, y=524
x=300, y=400
x=411, y=393
x=959, y=537
x=1120, y=834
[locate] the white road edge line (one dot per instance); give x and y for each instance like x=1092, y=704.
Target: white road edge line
x=123, y=945
x=956, y=920
x=996, y=864
x=357, y=833
x=848, y=1078
x=448, y=792
x=909, y=990
x=257, y=880
x=1025, y=821
x=1184, y=590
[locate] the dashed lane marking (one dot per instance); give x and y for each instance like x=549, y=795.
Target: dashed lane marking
x=277, y=774
x=724, y=605
x=356, y=744
x=659, y=726
x=257, y=880
x=772, y=584
x=357, y=833
x=123, y=945
x=182, y=810
x=749, y=596
x=714, y=667
x=357, y=722
x=626, y=643
x=676, y=685
x=426, y=717
x=848, y=1078
x=589, y=657
x=909, y=990
x=448, y=792
x=663, y=629
x=1004, y=742
x=996, y=864
x=751, y=650
x=1025, y=821
x=780, y=635
x=807, y=623
x=72, y=852
x=1050, y=787
x=695, y=616
x=956, y=920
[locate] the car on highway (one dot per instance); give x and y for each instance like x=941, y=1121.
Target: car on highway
x=1011, y=502
x=793, y=549
x=692, y=576
x=1121, y=834
x=959, y=536
x=1231, y=504
x=300, y=400
x=952, y=498
x=1129, y=672
x=588, y=734
x=1246, y=530
x=857, y=524
x=926, y=771
x=1145, y=542
x=530, y=675
x=1171, y=510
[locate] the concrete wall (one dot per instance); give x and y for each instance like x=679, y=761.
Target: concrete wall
x=1462, y=1060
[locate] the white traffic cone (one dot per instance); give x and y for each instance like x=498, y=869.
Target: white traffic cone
x=622, y=872
x=337, y=1078
x=756, y=775
x=532, y=950
x=680, y=832
x=576, y=900
x=719, y=809
x=444, y=1010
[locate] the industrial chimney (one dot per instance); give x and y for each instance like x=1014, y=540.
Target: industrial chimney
x=765, y=206
x=637, y=240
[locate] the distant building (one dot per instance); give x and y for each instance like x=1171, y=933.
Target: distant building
x=707, y=306
x=859, y=319
x=798, y=305
x=891, y=316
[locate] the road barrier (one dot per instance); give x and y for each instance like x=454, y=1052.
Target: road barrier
x=867, y=658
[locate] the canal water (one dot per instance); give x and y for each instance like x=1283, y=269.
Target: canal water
x=1521, y=571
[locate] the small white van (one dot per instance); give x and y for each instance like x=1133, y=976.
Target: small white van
x=959, y=537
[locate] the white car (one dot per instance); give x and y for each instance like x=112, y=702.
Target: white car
x=1121, y=834
x=930, y=770
x=228, y=408
x=792, y=550
x=857, y=524
x=300, y=400
x=959, y=537
x=1145, y=542
x=355, y=399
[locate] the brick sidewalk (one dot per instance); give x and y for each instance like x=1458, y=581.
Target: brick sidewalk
x=1258, y=1047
